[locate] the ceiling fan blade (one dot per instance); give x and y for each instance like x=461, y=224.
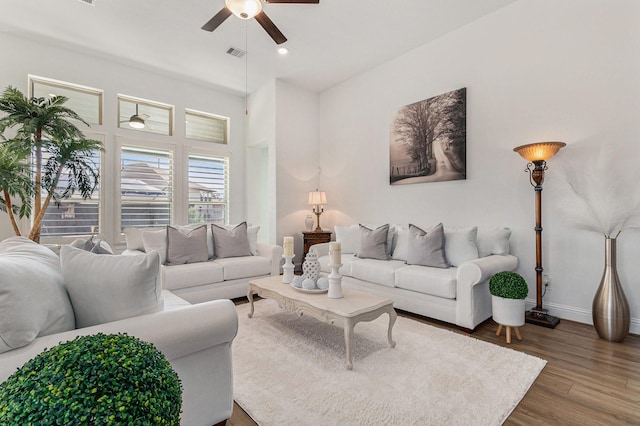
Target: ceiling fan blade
x=270, y=28
x=218, y=19
x=294, y=1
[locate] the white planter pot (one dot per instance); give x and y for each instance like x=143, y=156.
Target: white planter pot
x=508, y=312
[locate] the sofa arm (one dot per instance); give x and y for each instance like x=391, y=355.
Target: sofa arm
x=196, y=340
x=274, y=253
x=479, y=270
x=472, y=289
x=321, y=249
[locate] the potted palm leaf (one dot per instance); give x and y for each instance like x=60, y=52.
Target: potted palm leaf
x=45, y=130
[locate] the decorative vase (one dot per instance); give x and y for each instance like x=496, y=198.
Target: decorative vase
x=311, y=267
x=610, y=308
x=508, y=312
x=308, y=223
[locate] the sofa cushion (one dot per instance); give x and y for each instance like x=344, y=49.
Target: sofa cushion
x=376, y=271
x=191, y=275
x=433, y=281
x=110, y=288
x=187, y=246
x=243, y=267
x=33, y=301
x=156, y=241
x=230, y=242
x=373, y=243
x=349, y=238
x=345, y=269
x=493, y=241
x=460, y=245
x=427, y=249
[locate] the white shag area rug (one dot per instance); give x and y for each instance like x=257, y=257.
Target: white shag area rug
x=291, y=370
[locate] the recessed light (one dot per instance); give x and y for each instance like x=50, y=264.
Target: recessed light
x=283, y=50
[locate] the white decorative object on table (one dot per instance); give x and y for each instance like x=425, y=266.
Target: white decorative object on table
x=323, y=283
x=311, y=267
x=335, y=282
x=287, y=269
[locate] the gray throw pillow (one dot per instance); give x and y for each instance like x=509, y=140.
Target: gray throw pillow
x=373, y=243
x=187, y=247
x=427, y=248
x=230, y=242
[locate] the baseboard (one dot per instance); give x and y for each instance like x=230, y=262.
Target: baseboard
x=578, y=314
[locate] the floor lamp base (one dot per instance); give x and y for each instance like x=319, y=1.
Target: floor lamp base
x=540, y=317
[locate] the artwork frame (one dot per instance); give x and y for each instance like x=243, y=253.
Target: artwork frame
x=428, y=140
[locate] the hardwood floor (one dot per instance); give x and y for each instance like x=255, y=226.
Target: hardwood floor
x=587, y=381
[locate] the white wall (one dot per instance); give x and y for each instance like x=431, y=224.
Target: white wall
x=283, y=126
x=535, y=70
x=297, y=159
x=25, y=56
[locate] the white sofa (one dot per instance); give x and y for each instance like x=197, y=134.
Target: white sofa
x=36, y=314
x=458, y=294
x=216, y=278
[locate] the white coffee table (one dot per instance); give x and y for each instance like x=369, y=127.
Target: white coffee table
x=354, y=307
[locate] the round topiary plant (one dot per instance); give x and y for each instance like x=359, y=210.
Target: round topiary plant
x=101, y=379
x=508, y=285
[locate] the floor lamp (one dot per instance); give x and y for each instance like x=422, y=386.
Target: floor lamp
x=538, y=154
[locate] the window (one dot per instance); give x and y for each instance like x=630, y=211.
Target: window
x=206, y=127
x=145, y=116
x=72, y=216
x=146, y=187
x=208, y=189
x=85, y=101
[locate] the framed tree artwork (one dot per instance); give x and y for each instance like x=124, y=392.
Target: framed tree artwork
x=428, y=140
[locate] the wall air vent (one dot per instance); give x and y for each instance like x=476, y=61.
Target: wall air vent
x=234, y=51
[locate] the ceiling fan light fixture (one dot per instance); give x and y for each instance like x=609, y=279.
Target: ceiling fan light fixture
x=244, y=9
x=136, y=122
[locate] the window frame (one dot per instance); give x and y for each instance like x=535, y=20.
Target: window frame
x=99, y=93
x=206, y=115
x=149, y=103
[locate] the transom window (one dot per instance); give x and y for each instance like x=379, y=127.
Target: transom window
x=84, y=101
x=145, y=116
x=205, y=127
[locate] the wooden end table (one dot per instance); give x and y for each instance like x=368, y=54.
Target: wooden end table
x=354, y=307
x=313, y=237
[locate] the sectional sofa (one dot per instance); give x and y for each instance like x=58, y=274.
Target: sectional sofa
x=46, y=300
x=446, y=280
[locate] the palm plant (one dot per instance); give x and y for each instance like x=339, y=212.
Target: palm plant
x=15, y=181
x=45, y=127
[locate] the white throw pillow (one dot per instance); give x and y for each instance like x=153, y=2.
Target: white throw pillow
x=109, y=288
x=134, y=239
x=401, y=243
x=460, y=245
x=493, y=241
x=33, y=301
x=156, y=241
x=349, y=238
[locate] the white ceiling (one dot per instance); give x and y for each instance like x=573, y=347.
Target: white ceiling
x=328, y=42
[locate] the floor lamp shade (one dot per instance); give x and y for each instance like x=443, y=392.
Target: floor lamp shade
x=538, y=154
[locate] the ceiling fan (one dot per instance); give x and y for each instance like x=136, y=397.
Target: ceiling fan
x=137, y=120
x=247, y=9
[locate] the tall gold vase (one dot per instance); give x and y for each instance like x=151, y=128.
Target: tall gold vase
x=610, y=308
